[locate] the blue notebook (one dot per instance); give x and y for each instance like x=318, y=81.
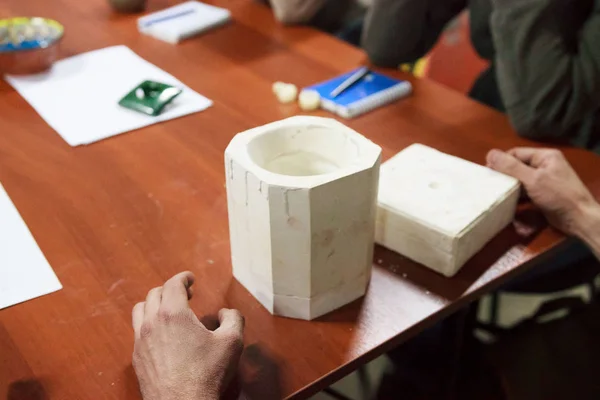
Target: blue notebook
x=372, y=91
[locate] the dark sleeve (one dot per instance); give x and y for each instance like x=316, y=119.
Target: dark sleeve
x=548, y=87
x=399, y=31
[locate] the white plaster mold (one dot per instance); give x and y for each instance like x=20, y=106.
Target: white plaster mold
x=439, y=210
x=301, y=196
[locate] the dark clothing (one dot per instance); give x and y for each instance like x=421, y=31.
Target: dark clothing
x=545, y=57
x=342, y=18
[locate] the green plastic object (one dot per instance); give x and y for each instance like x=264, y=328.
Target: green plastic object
x=150, y=97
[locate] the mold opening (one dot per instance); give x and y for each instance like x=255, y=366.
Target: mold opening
x=303, y=150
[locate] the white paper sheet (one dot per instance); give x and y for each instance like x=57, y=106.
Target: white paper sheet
x=24, y=271
x=79, y=96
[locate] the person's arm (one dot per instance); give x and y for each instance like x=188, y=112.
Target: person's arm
x=295, y=11
x=555, y=188
x=548, y=88
x=175, y=356
x=588, y=228
x=400, y=31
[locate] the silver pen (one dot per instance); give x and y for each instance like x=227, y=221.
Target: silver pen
x=352, y=79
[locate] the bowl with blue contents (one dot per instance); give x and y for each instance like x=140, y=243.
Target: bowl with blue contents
x=28, y=45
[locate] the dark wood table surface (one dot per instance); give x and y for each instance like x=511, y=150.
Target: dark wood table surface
x=118, y=217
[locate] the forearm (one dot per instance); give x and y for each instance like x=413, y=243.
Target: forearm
x=547, y=89
x=588, y=227
x=399, y=31
x=295, y=11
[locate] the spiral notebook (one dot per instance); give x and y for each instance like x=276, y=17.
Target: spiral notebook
x=372, y=91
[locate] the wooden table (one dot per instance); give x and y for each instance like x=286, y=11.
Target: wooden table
x=118, y=217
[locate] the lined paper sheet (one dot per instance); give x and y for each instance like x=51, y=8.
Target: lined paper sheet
x=79, y=96
x=24, y=271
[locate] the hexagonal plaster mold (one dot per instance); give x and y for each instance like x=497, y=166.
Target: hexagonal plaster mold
x=301, y=196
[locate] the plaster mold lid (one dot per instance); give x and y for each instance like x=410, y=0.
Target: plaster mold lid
x=439, y=210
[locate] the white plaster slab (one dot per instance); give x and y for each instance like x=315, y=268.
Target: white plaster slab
x=440, y=210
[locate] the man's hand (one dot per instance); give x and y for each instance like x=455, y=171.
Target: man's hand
x=175, y=356
x=552, y=185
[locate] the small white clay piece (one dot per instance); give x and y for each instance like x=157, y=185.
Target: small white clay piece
x=309, y=100
x=285, y=92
